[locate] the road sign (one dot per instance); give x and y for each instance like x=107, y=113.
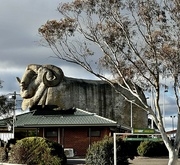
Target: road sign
x=143, y=131
x=142, y=139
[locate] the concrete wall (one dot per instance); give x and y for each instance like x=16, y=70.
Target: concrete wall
x=100, y=98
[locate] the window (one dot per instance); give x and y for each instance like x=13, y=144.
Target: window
x=51, y=133
x=94, y=132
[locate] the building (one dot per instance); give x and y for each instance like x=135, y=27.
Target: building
x=51, y=96
x=75, y=129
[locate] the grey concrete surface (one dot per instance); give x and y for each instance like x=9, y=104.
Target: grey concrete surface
x=136, y=161
x=150, y=161
x=75, y=161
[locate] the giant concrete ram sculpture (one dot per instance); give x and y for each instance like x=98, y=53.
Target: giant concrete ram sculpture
x=46, y=85
x=38, y=86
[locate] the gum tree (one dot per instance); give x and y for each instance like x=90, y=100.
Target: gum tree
x=134, y=41
x=6, y=107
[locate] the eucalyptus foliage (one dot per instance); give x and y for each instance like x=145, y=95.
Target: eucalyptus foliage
x=134, y=41
x=7, y=106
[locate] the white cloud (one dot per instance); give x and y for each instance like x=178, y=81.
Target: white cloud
x=20, y=20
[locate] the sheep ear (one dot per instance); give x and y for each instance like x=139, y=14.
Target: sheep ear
x=18, y=80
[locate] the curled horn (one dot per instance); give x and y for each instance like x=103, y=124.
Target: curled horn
x=58, y=74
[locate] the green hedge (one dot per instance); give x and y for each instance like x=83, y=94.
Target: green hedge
x=152, y=148
x=37, y=150
x=102, y=152
x=3, y=154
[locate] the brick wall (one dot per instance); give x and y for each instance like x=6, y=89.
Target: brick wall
x=77, y=137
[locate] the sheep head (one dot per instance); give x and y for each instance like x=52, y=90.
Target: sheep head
x=35, y=82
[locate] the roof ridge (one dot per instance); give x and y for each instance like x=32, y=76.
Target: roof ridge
x=90, y=113
x=105, y=118
x=96, y=115
x=32, y=111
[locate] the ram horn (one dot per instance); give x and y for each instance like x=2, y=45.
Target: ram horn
x=58, y=74
x=33, y=67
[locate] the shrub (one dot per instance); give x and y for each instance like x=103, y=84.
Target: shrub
x=3, y=154
x=102, y=152
x=37, y=150
x=152, y=148
x=132, y=148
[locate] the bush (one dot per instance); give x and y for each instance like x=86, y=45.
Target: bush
x=152, y=148
x=3, y=154
x=37, y=150
x=102, y=152
x=132, y=150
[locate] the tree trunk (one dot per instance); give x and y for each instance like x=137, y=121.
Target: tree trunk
x=173, y=157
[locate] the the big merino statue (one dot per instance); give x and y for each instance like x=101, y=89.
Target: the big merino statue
x=39, y=86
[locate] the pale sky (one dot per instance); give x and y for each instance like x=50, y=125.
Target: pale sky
x=19, y=40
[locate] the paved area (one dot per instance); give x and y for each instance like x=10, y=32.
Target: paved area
x=75, y=161
x=149, y=161
x=136, y=161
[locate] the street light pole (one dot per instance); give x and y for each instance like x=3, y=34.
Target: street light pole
x=173, y=123
x=14, y=113
x=131, y=115
x=165, y=90
x=152, y=122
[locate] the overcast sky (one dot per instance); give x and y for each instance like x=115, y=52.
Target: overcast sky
x=19, y=43
x=19, y=40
